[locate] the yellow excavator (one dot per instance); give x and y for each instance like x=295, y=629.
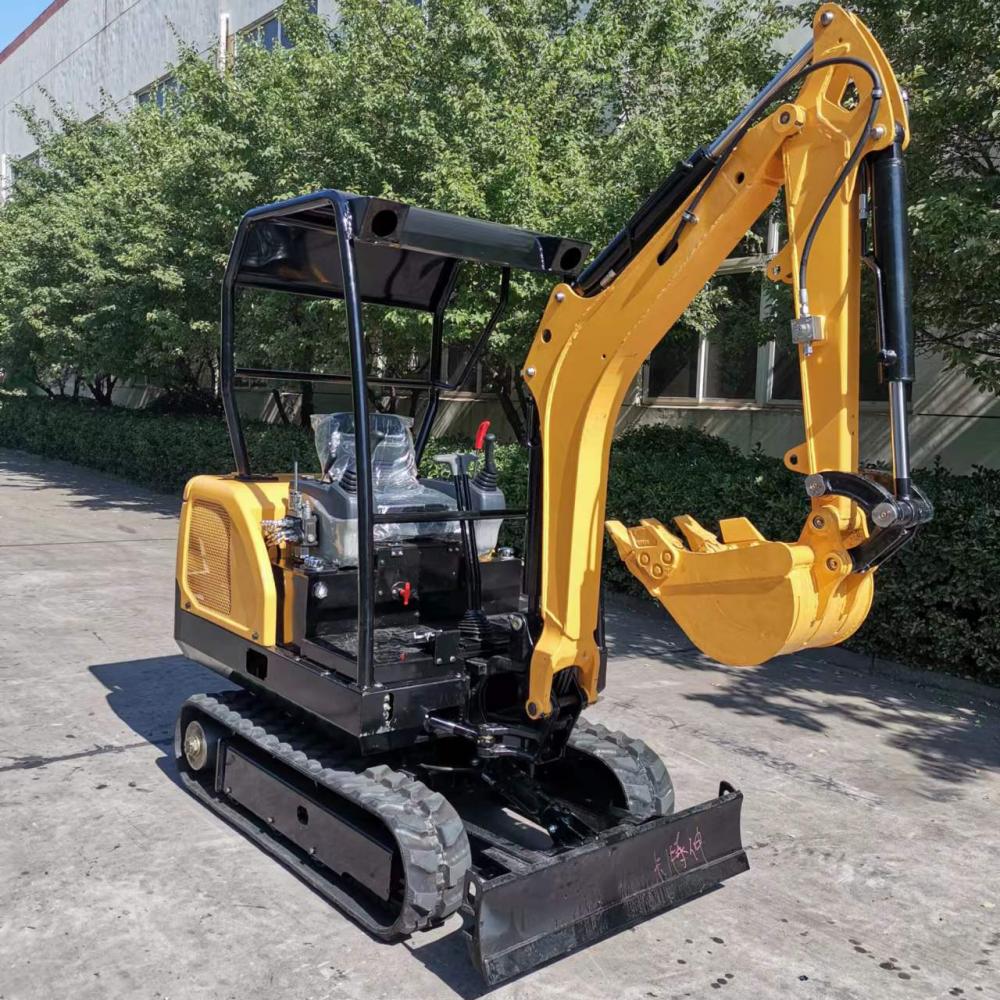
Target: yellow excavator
x=406, y=732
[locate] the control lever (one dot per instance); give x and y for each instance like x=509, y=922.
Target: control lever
x=298, y=527
x=481, y=432
x=474, y=623
x=486, y=474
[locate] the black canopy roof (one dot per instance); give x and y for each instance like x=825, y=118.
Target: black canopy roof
x=405, y=256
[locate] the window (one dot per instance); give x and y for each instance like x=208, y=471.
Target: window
x=12, y=168
x=784, y=355
x=455, y=358
x=269, y=33
x=720, y=365
x=749, y=356
x=786, y=384
x=731, y=349
x=159, y=93
x=673, y=366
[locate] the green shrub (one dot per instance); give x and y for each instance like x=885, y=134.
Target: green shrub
x=936, y=600
x=161, y=452
x=934, y=603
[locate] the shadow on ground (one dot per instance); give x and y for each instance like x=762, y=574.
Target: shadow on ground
x=448, y=958
x=93, y=490
x=952, y=734
x=147, y=695
x=658, y=638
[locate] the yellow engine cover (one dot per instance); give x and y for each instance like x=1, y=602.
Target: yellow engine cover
x=224, y=569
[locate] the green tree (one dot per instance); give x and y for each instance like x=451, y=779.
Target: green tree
x=56, y=246
x=558, y=115
x=948, y=58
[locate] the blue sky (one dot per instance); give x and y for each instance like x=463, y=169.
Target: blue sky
x=16, y=16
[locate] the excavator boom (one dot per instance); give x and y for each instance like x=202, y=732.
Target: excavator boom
x=742, y=599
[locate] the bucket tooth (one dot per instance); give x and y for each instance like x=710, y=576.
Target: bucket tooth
x=648, y=549
x=698, y=538
x=739, y=531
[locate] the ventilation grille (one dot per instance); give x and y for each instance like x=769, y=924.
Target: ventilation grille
x=208, y=575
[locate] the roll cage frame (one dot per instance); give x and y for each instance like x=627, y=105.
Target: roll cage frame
x=418, y=256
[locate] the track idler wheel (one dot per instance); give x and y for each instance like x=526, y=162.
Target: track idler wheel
x=200, y=744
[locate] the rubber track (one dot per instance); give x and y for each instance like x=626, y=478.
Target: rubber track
x=428, y=831
x=639, y=770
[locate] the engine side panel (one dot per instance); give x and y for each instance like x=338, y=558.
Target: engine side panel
x=224, y=570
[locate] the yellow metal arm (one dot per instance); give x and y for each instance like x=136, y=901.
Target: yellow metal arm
x=741, y=599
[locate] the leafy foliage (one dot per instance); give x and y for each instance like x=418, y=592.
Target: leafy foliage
x=555, y=114
x=559, y=115
x=934, y=604
x=160, y=452
x=947, y=56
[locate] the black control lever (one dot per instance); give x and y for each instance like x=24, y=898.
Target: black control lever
x=474, y=624
x=486, y=475
x=492, y=739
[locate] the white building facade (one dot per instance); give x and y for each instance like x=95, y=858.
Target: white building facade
x=77, y=50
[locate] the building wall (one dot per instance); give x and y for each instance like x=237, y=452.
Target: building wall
x=950, y=420
x=120, y=47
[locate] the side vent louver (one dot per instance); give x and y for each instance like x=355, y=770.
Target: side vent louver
x=208, y=564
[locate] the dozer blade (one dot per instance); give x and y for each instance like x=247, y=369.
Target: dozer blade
x=523, y=918
x=744, y=599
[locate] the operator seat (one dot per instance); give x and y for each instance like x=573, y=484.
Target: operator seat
x=395, y=485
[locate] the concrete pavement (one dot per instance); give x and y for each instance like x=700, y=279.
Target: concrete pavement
x=871, y=810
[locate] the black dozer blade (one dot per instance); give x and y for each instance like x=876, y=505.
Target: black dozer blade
x=521, y=920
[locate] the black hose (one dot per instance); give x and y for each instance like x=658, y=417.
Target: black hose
x=851, y=163
x=689, y=215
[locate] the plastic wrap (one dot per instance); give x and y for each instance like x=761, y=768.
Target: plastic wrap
x=395, y=485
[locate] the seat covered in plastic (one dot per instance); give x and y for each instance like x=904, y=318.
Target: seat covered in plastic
x=395, y=484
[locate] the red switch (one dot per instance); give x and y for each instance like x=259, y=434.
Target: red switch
x=481, y=433
x=405, y=593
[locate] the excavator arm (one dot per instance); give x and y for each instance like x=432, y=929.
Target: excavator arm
x=829, y=131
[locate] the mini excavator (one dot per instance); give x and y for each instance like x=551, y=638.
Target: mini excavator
x=406, y=733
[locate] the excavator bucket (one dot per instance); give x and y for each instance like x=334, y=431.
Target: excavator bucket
x=743, y=599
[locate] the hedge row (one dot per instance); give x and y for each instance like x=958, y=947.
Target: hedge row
x=935, y=603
